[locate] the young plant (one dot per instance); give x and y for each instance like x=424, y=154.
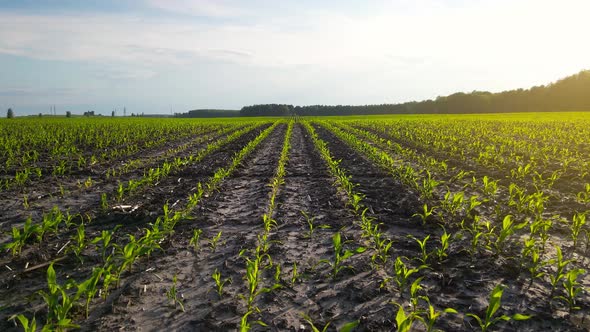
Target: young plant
x=532, y=251
x=424, y=214
x=214, y=241
x=404, y=322
x=490, y=188
x=311, y=226
x=28, y=326
x=422, y=243
x=172, y=295
x=219, y=283
x=253, y=276
x=382, y=247
x=441, y=253
x=508, y=228
x=340, y=255
x=572, y=288
x=402, y=274
x=578, y=221
x=26, y=204
x=348, y=327
x=59, y=303
x=19, y=239
x=294, y=274
x=245, y=324
x=312, y=325
x=431, y=315
x=79, y=240
x=105, y=239
x=490, y=318
x=560, y=265
x=104, y=203
x=194, y=241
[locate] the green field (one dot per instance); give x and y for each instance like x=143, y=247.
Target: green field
x=365, y=223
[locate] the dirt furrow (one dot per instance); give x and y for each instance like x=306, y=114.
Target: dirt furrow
x=236, y=212
x=348, y=297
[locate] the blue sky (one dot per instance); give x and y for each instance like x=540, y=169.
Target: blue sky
x=155, y=56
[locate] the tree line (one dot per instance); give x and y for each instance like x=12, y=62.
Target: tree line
x=569, y=94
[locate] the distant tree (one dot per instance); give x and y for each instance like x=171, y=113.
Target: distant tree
x=40, y=114
x=113, y=114
x=10, y=113
x=68, y=114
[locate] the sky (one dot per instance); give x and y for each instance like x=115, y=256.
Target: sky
x=162, y=56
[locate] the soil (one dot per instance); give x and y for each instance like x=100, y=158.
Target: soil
x=235, y=210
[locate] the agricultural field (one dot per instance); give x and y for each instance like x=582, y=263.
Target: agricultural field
x=387, y=223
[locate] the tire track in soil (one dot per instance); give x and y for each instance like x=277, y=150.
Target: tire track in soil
x=13, y=283
x=236, y=211
x=309, y=187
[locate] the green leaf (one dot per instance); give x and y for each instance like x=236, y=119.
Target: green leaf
x=360, y=250
x=349, y=327
x=521, y=317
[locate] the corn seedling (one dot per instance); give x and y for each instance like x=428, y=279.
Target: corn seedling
x=404, y=322
x=422, y=243
x=560, y=265
x=219, y=284
x=253, y=278
x=173, y=296
x=79, y=240
x=572, y=288
x=294, y=274
x=59, y=303
x=508, y=228
x=382, y=247
x=340, y=255
x=26, y=203
x=584, y=196
x=213, y=242
x=490, y=318
x=20, y=238
x=414, y=297
x=490, y=188
x=402, y=274
x=245, y=324
x=441, y=253
x=105, y=239
x=104, y=203
x=532, y=251
x=312, y=325
x=429, y=316
x=310, y=224
x=28, y=326
x=194, y=241
x=578, y=221
x=424, y=214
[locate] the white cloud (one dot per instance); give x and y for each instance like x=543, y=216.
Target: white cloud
x=207, y=8
x=397, y=50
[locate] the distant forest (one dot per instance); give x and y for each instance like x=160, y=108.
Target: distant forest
x=569, y=94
